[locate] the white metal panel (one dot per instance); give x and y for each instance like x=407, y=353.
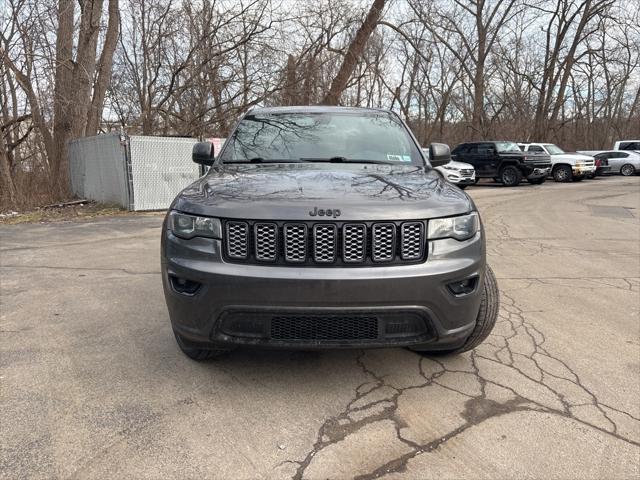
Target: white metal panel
x=160, y=168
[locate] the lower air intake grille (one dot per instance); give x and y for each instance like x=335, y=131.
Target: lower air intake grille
x=324, y=327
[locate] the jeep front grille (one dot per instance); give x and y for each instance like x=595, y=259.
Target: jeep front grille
x=265, y=237
x=384, y=238
x=354, y=242
x=237, y=240
x=325, y=243
x=412, y=233
x=295, y=243
x=466, y=172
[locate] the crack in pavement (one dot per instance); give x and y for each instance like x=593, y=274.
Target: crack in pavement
x=515, y=344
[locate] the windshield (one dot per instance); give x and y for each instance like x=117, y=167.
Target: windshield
x=504, y=147
x=307, y=137
x=553, y=149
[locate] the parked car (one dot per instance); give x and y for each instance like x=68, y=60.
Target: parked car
x=502, y=161
x=627, y=145
x=621, y=161
x=459, y=173
x=325, y=227
x=564, y=166
x=602, y=166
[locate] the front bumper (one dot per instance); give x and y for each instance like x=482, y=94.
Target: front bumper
x=239, y=304
x=539, y=172
x=457, y=179
x=582, y=170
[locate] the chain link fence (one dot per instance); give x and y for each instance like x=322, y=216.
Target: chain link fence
x=138, y=172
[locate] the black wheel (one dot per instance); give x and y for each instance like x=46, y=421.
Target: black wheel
x=486, y=319
x=196, y=351
x=462, y=187
x=562, y=173
x=510, y=176
x=627, y=169
x=536, y=181
x=592, y=175
x=475, y=182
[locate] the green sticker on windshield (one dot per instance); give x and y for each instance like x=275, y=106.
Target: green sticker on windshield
x=406, y=158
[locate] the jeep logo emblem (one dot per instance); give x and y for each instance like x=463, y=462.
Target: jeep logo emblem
x=329, y=212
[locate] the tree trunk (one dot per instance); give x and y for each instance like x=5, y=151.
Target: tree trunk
x=6, y=179
x=104, y=69
x=352, y=57
x=62, y=102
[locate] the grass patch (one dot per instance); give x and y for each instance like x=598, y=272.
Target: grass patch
x=80, y=212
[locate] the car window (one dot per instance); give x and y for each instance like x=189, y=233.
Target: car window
x=554, y=149
x=486, y=148
x=506, y=147
x=619, y=155
x=462, y=148
x=629, y=146
x=321, y=136
x=536, y=148
x=472, y=149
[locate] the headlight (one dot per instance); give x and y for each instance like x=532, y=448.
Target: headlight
x=446, y=167
x=460, y=228
x=189, y=226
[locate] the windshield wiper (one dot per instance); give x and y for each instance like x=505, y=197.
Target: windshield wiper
x=344, y=160
x=261, y=160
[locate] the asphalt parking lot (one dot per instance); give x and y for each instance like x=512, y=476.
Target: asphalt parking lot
x=93, y=385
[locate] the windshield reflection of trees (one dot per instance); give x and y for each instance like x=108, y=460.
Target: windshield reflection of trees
x=292, y=136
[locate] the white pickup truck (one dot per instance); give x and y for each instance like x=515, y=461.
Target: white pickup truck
x=627, y=145
x=564, y=166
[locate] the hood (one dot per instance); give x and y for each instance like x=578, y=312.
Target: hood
x=458, y=165
x=291, y=191
x=573, y=156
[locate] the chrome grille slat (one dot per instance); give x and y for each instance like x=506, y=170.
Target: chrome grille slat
x=324, y=243
x=295, y=242
x=383, y=242
x=237, y=240
x=411, y=243
x=354, y=242
x=265, y=238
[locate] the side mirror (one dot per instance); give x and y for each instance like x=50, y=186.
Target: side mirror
x=203, y=153
x=439, y=154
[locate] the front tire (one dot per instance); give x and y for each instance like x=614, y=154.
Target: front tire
x=510, y=176
x=627, y=170
x=562, y=173
x=197, y=352
x=486, y=319
x=462, y=187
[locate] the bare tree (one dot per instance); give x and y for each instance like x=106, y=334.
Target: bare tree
x=354, y=52
x=73, y=75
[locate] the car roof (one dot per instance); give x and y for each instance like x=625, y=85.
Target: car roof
x=633, y=152
x=317, y=109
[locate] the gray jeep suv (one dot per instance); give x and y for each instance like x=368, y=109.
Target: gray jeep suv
x=325, y=227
